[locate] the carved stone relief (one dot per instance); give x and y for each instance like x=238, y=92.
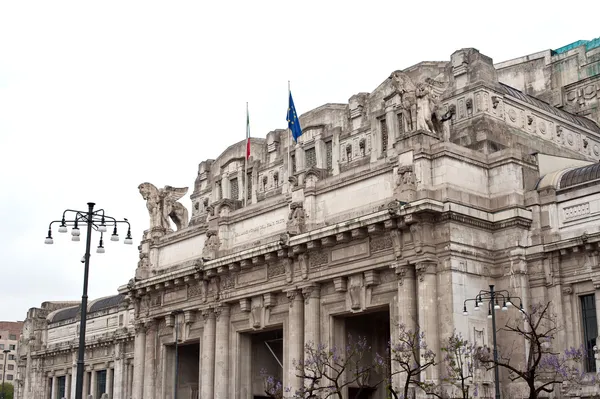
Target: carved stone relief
x=296, y=220
x=163, y=204
x=405, y=189
x=211, y=245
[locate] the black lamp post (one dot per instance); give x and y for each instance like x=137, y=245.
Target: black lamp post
x=6, y=352
x=493, y=298
x=94, y=220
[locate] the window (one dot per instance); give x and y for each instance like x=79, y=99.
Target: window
x=311, y=158
x=10, y=366
x=590, y=329
x=328, y=150
x=9, y=377
x=12, y=347
x=235, y=190
x=349, y=152
x=249, y=186
x=220, y=190
x=101, y=387
x=61, y=386
x=120, y=320
x=12, y=337
x=384, y=135
x=276, y=179
x=11, y=357
x=400, y=123
x=1, y=356
x=1, y=346
x=293, y=160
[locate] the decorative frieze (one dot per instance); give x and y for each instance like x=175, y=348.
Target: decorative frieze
x=318, y=258
x=380, y=243
x=576, y=211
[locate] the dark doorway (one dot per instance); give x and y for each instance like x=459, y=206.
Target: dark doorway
x=267, y=360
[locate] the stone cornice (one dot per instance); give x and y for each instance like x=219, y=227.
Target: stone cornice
x=590, y=242
x=71, y=346
x=395, y=215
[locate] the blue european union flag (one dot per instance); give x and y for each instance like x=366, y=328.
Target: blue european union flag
x=293, y=121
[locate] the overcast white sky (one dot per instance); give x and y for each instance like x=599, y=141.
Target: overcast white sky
x=98, y=97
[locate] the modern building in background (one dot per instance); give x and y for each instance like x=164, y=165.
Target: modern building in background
x=10, y=333
x=392, y=208
x=48, y=354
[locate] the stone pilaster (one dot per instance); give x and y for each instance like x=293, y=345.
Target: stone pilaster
x=119, y=373
x=94, y=383
x=207, y=358
x=149, y=361
x=295, y=333
x=312, y=314
x=86, y=384
x=68, y=385
x=129, y=386
x=222, y=313
x=73, y=375
x=54, y=388
x=139, y=360
x=110, y=375
x=406, y=311
x=428, y=312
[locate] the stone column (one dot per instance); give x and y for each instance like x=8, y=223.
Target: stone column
x=109, y=382
x=129, y=387
x=54, y=388
x=149, y=369
x=207, y=358
x=312, y=314
x=406, y=312
x=428, y=317
x=117, y=390
x=86, y=384
x=222, y=352
x=68, y=385
x=138, y=367
x=295, y=332
x=94, y=384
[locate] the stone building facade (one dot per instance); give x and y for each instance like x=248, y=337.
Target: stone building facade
x=48, y=350
x=392, y=208
x=10, y=333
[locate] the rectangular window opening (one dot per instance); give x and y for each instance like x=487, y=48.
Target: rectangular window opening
x=233, y=184
x=384, y=135
x=590, y=330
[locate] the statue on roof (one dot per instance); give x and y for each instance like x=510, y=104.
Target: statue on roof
x=163, y=205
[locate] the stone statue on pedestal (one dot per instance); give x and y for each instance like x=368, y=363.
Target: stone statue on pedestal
x=162, y=204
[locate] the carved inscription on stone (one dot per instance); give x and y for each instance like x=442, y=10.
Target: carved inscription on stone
x=575, y=211
x=174, y=296
x=361, y=249
x=256, y=275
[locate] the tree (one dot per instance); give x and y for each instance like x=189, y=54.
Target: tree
x=412, y=356
x=458, y=358
x=8, y=390
x=327, y=372
x=543, y=368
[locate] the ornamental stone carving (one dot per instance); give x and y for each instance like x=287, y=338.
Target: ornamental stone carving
x=416, y=230
x=162, y=205
x=405, y=190
x=289, y=269
x=296, y=221
x=211, y=245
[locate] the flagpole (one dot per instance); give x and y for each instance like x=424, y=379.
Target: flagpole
x=290, y=137
x=246, y=157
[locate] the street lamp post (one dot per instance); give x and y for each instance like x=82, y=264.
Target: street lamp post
x=94, y=220
x=493, y=297
x=6, y=352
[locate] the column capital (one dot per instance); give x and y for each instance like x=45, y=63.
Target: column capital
x=139, y=327
x=207, y=314
x=222, y=309
x=294, y=295
x=425, y=267
x=150, y=325
x=403, y=272
x=311, y=291
x=567, y=289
